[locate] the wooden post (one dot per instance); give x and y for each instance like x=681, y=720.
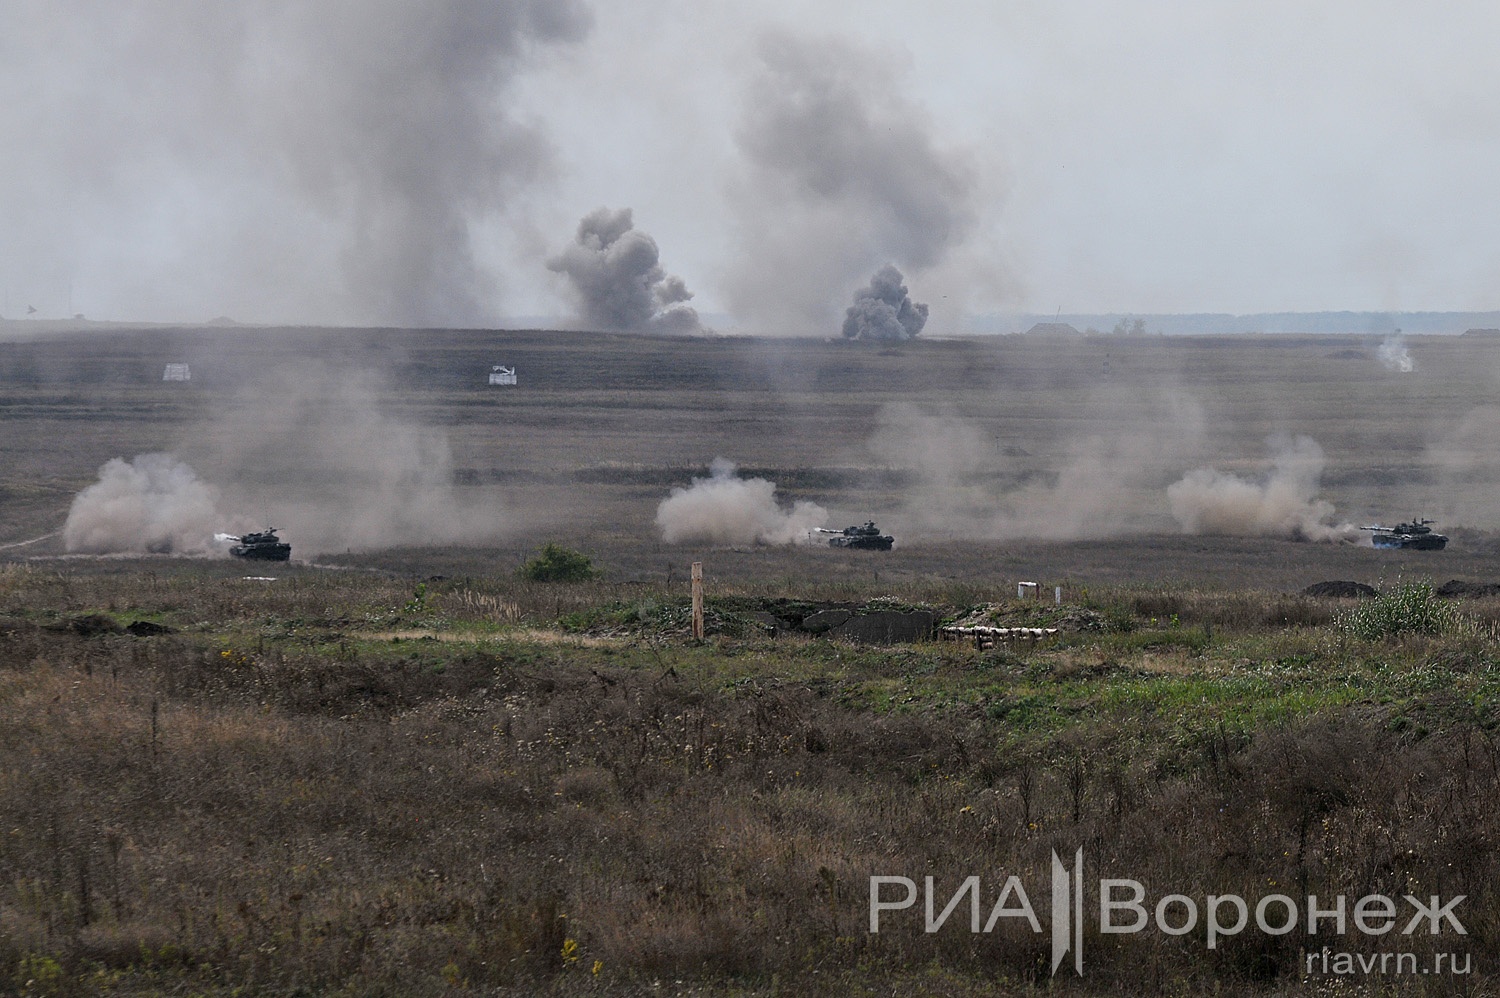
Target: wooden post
x=698, y=600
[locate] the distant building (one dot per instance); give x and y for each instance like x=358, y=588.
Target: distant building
x=1052, y=329
x=177, y=372
x=502, y=375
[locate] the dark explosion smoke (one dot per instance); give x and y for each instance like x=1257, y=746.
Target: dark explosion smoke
x=883, y=310
x=617, y=277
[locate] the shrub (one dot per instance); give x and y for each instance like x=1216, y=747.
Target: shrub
x=559, y=564
x=1411, y=607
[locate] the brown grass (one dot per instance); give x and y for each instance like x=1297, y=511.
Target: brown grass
x=208, y=812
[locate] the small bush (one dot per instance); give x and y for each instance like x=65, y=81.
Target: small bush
x=418, y=601
x=1409, y=608
x=559, y=564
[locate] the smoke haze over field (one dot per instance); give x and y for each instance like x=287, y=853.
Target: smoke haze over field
x=311, y=451
x=970, y=484
x=153, y=503
x=617, y=278
x=1286, y=504
x=317, y=451
x=1466, y=456
x=726, y=509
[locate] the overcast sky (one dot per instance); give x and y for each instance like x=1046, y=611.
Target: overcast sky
x=416, y=161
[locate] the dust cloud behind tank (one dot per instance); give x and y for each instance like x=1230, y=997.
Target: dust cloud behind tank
x=155, y=503
x=727, y=509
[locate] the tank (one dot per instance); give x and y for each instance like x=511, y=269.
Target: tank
x=866, y=538
x=262, y=546
x=1414, y=534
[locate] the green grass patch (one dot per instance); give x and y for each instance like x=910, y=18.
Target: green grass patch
x=1409, y=608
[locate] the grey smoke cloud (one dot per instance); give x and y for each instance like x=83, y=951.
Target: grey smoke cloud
x=883, y=310
x=616, y=276
x=1285, y=504
x=324, y=161
x=153, y=503
x=1394, y=356
x=726, y=509
x=844, y=172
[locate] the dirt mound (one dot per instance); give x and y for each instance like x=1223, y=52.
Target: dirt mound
x=1458, y=589
x=91, y=625
x=880, y=621
x=148, y=628
x=1339, y=590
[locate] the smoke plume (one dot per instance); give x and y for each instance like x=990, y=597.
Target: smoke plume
x=1207, y=501
x=726, y=509
x=1102, y=479
x=274, y=159
x=618, y=280
x=843, y=173
x=883, y=310
x=153, y=503
x=1394, y=355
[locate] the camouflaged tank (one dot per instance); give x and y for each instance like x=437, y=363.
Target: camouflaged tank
x=262, y=546
x=1414, y=535
x=866, y=538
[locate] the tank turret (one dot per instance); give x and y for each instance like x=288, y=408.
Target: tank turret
x=262, y=546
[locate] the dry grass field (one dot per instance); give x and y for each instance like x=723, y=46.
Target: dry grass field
x=397, y=768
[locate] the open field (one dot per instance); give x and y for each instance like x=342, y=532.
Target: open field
x=975, y=447
x=399, y=769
